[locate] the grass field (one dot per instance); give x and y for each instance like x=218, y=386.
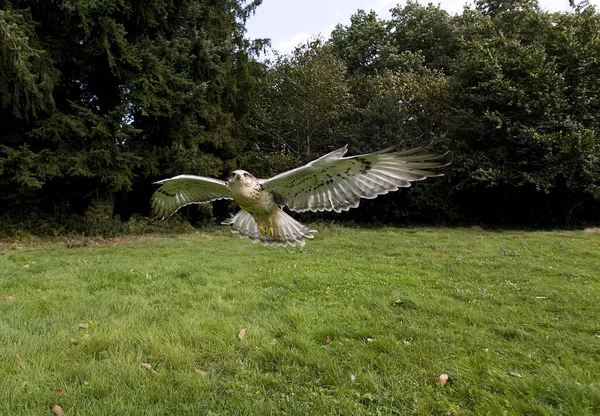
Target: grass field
x=358, y=322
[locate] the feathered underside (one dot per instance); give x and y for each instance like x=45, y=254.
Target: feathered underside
x=285, y=231
x=337, y=183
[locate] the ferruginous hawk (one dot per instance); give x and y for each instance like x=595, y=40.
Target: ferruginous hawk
x=330, y=183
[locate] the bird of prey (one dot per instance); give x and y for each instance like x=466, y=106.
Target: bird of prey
x=331, y=183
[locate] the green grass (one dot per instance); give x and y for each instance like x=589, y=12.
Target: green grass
x=77, y=324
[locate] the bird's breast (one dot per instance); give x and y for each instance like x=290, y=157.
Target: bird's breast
x=253, y=198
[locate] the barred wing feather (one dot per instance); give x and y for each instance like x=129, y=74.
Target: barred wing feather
x=337, y=183
x=183, y=190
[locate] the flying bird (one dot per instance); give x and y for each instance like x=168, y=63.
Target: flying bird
x=331, y=183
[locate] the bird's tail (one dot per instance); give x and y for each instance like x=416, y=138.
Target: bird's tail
x=281, y=229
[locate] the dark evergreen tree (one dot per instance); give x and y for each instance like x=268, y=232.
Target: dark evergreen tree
x=102, y=97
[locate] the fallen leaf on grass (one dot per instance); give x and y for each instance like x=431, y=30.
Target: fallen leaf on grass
x=27, y=266
x=10, y=298
x=88, y=325
x=148, y=367
x=57, y=410
x=19, y=359
x=329, y=340
x=370, y=340
x=198, y=371
x=513, y=373
x=59, y=392
x=74, y=341
x=405, y=304
x=242, y=334
x=541, y=297
x=442, y=379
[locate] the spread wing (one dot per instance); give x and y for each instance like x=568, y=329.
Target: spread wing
x=337, y=183
x=183, y=190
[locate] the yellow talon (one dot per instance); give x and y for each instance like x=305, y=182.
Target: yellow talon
x=271, y=231
x=262, y=229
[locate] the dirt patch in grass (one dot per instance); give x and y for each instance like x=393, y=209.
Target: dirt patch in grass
x=74, y=242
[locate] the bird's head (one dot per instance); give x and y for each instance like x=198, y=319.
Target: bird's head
x=239, y=177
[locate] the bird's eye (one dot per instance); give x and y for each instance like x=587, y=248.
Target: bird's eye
x=245, y=175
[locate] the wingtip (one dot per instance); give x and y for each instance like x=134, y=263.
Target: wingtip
x=341, y=151
x=393, y=149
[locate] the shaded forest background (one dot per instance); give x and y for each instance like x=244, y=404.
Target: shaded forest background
x=99, y=99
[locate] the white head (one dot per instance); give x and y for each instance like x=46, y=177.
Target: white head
x=239, y=177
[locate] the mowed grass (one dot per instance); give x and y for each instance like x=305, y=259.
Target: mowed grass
x=358, y=322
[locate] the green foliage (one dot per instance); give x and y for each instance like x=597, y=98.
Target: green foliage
x=366, y=46
x=105, y=97
x=266, y=164
x=415, y=37
x=425, y=30
x=520, y=124
x=101, y=98
x=396, y=107
x=119, y=326
x=27, y=74
x=510, y=89
x=302, y=102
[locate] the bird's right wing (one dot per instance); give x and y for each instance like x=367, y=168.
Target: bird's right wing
x=183, y=190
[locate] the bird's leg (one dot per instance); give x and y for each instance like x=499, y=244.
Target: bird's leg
x=270, y=229
x=265, y=225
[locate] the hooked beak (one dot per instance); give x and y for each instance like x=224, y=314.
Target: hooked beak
x=234, y=177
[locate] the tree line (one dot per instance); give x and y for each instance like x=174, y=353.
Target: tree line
x=100, y=99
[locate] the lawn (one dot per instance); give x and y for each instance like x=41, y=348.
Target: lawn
x=358, y=322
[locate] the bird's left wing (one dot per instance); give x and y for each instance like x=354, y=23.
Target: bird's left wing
x=337, y=183
x=183, y=190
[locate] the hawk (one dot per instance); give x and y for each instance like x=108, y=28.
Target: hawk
x=331, y=183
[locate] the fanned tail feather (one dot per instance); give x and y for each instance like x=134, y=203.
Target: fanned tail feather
x=286, y=230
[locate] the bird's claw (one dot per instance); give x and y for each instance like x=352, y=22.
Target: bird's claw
x=263, y=230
